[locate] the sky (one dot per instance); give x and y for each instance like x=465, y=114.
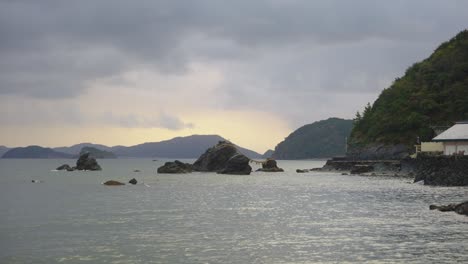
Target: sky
x=121, y=72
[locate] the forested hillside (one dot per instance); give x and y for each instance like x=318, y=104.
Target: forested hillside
x=432, y=92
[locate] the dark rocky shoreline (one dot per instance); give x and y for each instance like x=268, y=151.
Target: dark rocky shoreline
x=432, y=170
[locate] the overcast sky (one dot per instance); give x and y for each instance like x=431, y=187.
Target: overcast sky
x=127, y=72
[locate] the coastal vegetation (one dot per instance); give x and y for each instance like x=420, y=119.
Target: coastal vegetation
x=433, y=92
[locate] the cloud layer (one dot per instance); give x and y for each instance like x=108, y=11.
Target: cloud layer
x=298, y=60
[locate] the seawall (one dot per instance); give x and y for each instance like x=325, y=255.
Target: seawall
x=438, y=170
x=434, y=170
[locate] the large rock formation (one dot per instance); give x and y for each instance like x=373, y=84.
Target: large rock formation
x=175, y=167
x=270, y=165
x=223, y=158
x=215, y=158
x=237, y=164
x=85, y=162
x=461, y=208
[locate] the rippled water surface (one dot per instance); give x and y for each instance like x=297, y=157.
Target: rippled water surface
x=207, y=218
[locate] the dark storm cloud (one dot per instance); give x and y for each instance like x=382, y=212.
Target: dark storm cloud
x=53, y=49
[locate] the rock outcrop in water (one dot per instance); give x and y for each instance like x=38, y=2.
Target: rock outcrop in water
x=133, y=181
x=223, y=158
x=65, y=167
x=85, y=162
x=270, y=165
x=175, y=167
x=237, y=164
x=113, y=183
x=461, y=208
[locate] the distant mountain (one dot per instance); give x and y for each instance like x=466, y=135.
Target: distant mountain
x=268, y=154
x=179, y=147
x=3, y=150
x=35, y=152
x=321, y=139
x=97, y=153
x=75, y=149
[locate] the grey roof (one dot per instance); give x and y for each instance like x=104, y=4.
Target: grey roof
x=458, y=132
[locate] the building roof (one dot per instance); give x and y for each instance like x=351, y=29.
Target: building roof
x=458, y=132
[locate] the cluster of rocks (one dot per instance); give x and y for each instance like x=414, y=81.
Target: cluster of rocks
x=461, y=208
x=84, y=162
x=270, y=165
x=222, y=158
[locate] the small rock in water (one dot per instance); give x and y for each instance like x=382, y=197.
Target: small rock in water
x=175, y=167
x=36, y=181
x=64, y=167
x=133, y=181
x=270, y=165
x=302, y=171
x=113, y=183
x=136, y=170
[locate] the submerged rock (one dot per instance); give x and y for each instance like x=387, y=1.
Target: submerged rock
x=461, y=208
x=238, y=165
x=113, y=183
x=133, y=181
x=270, y=165
x=175, y=167
x=85, y=162
x=302, y=171
x=65, y=167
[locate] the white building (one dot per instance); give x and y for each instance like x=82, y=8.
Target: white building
x=455, y=139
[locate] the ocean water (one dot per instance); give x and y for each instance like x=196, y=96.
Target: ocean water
x=207, y=218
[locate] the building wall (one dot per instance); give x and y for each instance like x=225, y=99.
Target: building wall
x=432, y=147
x=451, y=148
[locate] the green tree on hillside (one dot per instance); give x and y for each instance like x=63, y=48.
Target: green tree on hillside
x=432, y=92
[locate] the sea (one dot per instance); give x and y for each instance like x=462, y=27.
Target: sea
x=287, y=217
